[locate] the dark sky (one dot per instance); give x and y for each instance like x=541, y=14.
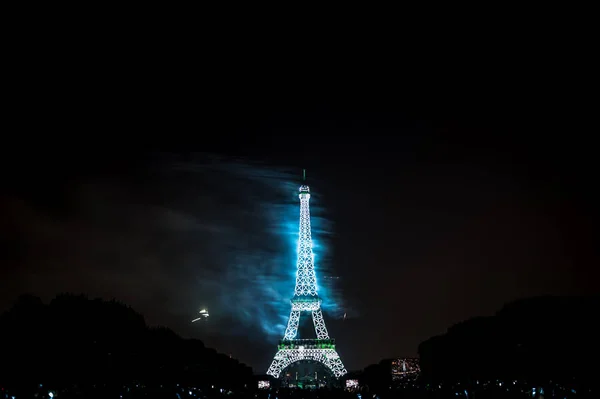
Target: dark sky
x=430, y=208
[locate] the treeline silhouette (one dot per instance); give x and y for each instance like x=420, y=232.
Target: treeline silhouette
x=77, y=341
x=547, y=342
x=551, y=343
x=538, y=339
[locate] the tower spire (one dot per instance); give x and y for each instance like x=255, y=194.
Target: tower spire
x=303, y=175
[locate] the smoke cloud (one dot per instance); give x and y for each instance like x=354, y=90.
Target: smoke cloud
x=171, y=238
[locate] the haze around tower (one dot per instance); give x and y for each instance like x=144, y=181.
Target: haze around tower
x=207, y=232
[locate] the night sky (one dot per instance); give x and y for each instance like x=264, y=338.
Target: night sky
x=425, y=213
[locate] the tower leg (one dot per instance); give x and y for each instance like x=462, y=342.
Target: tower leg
x=277, y=364
x=319, y=323
x=336, y=366
x=292, y=327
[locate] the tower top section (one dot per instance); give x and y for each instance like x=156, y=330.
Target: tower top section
x=304, y=188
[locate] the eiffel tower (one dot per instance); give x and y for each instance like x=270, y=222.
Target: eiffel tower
x=306, y=299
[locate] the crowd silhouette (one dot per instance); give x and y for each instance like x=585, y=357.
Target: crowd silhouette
x=87, y=348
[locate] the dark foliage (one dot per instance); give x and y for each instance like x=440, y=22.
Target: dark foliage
x=538, y=339
x=78, y=341
x=377, y=377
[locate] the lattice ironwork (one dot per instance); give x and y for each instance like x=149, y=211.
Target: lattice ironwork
x=319, y=323
x=292, y=327
x=306, y=279
x=285, y=357
x=306, y=299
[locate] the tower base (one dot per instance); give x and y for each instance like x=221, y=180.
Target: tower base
x=296, y=350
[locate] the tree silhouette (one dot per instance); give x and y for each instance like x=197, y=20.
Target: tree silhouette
x=537, y=339
x=79, y=341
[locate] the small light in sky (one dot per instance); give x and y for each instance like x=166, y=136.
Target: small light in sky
x=203, y=314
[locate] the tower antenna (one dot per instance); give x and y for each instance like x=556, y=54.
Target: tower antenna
x=303, y=174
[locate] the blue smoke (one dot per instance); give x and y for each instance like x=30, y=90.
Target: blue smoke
x=252, y=280
x=175, y=236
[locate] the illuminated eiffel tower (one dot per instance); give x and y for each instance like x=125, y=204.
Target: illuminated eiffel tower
x=306, y=299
